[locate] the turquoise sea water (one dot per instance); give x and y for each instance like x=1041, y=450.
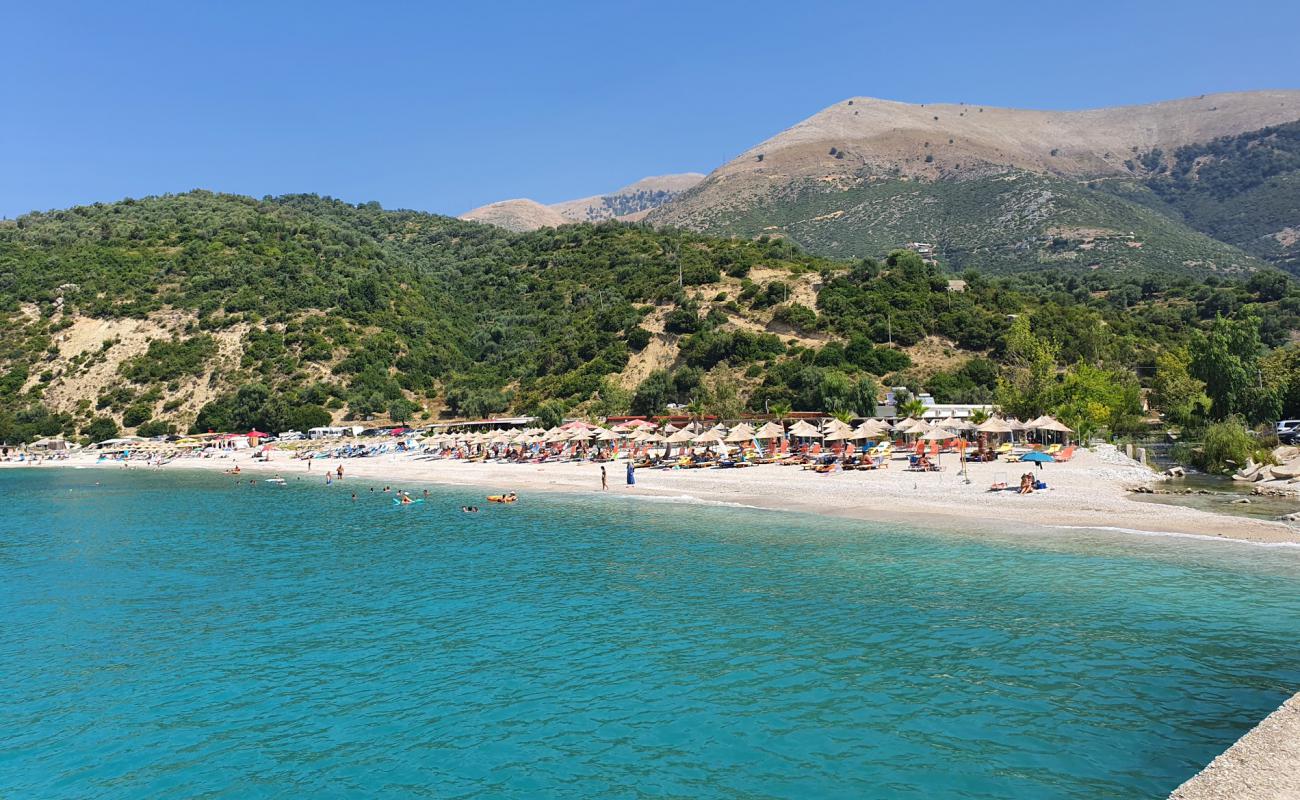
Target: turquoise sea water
x=170, y=635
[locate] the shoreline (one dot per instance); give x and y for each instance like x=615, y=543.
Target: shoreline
x=1087, y=493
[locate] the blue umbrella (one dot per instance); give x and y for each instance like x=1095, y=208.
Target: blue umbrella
x=1036, y=456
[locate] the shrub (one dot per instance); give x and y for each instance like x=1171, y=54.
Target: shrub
x=1228, y=446
x=100, y=428
x=638, y=338
x=799, y=317
x=137, y=414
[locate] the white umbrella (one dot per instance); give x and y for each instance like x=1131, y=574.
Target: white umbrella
x=770, y=430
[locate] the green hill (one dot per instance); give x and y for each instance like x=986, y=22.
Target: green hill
x=203, y=310
x=1243, y=190
x=1008, y=222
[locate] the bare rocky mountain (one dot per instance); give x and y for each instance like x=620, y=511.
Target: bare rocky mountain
x=518, y=215
x=629, y=203
x=987, y=186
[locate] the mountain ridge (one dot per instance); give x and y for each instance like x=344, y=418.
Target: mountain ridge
x=867, y=174
x=630, y=202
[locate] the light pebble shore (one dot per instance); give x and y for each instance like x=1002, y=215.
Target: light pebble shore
x=1089, y=492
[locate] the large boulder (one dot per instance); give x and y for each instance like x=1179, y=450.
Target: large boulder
x=1287, y=469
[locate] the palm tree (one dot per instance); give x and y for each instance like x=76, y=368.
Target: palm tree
x=912, y=407
x=843, y=416
x=780, y=410
x=979, y=416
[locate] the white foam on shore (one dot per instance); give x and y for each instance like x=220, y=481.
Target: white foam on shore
x=1178, y=534
x=686, y=499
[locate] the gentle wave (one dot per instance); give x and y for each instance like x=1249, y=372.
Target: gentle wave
x=1176, y=534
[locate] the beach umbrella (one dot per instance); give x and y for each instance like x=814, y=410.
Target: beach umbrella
x=803, y=430
x=873, y=429
x=770, y=430
x=649, y=437
x=1037, y=456
x=669, y=429
x=740, y=434
x=1055, y=425
x=681, y=437
x=843, y=436
x=911, y=425
x=606, y=436
x=953, y=424
x=708, y=437
x=937, y=434
x=836, y=428
x=582, y=436
x=994, y=425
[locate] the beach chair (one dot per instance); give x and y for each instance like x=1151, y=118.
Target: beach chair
x=1066, y=454
x=1053, y=450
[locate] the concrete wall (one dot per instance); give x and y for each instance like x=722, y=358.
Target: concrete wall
x=1263, y=765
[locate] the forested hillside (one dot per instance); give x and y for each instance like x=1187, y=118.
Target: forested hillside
x=202, y=311
x=1244, y=190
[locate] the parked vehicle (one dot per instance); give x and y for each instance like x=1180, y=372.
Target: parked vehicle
x=1288, y=430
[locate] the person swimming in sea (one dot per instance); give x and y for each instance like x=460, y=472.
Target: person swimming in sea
x=405, y=498
x=469, y=509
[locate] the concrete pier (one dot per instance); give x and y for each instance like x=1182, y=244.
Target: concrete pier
x=1263, y=765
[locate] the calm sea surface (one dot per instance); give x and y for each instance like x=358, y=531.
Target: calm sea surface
x=180, y=636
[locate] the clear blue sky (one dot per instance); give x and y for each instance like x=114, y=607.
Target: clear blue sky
x=445, y=106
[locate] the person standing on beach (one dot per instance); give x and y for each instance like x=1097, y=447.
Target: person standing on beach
x=631, y=474
x=309, y=465
x=604, y=479
x=340, y=471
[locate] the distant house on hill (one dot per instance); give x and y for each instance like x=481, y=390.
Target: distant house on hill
x=956, y=286
x=925, y=250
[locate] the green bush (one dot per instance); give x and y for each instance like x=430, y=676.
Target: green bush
x=1228, y=446
x=100, y=428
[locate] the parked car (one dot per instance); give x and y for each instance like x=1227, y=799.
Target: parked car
x=1288, y=430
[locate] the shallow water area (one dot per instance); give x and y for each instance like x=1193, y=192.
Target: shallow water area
x=185, y=635
x=1220, y=496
